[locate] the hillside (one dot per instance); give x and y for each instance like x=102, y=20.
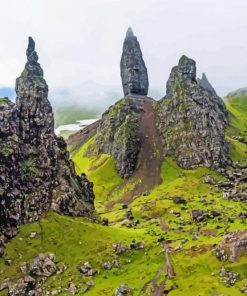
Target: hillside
x=191, y=243
x=154, y=202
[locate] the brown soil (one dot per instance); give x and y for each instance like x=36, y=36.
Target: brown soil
x=150, y=158
x=151, y=155
x=163, y=224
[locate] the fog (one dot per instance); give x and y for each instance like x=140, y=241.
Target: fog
x=79, y=43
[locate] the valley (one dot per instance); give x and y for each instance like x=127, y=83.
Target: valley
x=150, y=199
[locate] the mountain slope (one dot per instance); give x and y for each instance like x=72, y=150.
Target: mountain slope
x=170, y=190
x=237, y=133
x=202, y=191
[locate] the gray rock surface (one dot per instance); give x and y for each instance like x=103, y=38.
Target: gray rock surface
x=118, y=135
x=133, y=70
x=43, y=265
x=193, y=120
x=124, y=290
x=204, y=83
x=232, y=247
x=36, y=173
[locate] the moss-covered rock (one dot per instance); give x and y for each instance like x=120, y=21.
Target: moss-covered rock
x=118, y=135
x=193, y=120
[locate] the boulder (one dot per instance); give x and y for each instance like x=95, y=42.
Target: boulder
x=198, y=215
x=232, y=247
x=119, y=248
x=87, y=269
x=43, y=265
x=124, y=290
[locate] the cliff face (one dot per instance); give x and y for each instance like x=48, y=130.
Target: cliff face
x=193, y=120
x=118, y=135
x=35, y=173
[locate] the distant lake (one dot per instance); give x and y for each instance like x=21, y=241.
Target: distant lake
x=74, y=127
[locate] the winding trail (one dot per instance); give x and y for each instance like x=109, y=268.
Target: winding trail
x=167, y=268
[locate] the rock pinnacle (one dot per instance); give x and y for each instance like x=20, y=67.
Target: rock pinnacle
x=133, y=70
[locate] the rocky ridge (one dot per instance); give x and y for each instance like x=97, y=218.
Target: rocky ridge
x=193, y=120
x=36, y=174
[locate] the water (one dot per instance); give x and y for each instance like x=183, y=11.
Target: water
x=74, y=127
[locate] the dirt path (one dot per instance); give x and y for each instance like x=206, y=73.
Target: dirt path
x=151, y=154
x=168, y=271
x=167, y=268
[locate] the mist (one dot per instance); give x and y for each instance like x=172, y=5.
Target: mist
x=79, y=44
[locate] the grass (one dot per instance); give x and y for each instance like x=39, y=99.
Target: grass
x=75, y=240
x=4, y=101
x=237, y=107
x=99, y=169
x=56, y=234
x=70, y=114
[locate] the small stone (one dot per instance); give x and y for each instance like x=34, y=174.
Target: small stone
x=33, y=235
x=179, y=200
x=105, y=222
x=119, y=248
x=90, y=283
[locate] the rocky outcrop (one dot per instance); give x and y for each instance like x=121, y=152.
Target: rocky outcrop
x=35, y=171
x=193, y=120
x=133, y=70
x=232, y=247
x=205, y=84
x=118, y=135
x=35, y=274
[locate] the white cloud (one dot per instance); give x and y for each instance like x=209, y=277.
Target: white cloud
x=81, y=40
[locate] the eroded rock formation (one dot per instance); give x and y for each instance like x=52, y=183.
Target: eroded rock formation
x=35, y=171
x=118, y=135
x=133, y=70
x=193, y=120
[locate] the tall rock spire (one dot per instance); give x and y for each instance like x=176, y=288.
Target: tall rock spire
x=36, y=116
x=37, y=173
x=133, y=70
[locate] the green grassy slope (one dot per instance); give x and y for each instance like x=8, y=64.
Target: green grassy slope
x=237, y=107
x=76, y=240
x=70, y=114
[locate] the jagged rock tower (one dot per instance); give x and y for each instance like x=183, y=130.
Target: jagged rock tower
x=35, y=171
x=193, y=119
x=133, y=70
x=118, y=132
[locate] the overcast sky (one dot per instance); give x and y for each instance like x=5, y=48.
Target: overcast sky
x=79, y=42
